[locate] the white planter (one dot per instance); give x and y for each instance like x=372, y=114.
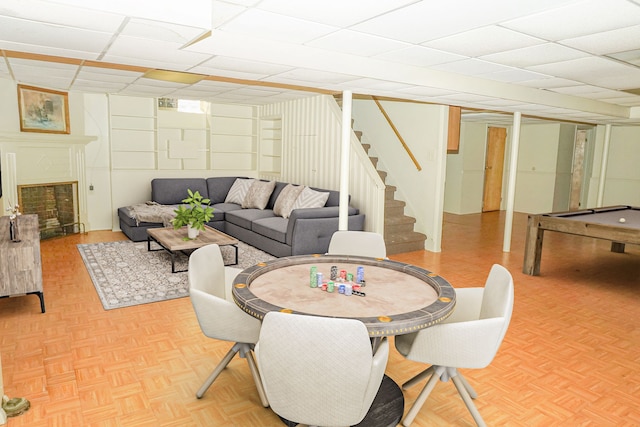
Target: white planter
x=192, y=233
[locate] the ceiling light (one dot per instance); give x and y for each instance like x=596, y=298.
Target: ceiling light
x=174, y=76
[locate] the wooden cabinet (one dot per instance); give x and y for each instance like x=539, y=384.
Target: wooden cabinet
x=20, y=262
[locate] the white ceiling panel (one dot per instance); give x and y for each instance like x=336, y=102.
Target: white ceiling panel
x=618, y=40
x=500, y=54
x=52, y=35
x=471, y=67
x=337, y=13
x=484, y=41
x=60, y=14
x=578, y=19
x=196, y=13
x=420, y=56
x=259, y=23
x=161, y=31
x=534, y=55
x=356, y=43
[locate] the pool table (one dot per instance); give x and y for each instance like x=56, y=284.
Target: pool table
x=619, y=224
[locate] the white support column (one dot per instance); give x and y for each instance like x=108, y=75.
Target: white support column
x=511, y=185
x=343, y=218
x=603, y=164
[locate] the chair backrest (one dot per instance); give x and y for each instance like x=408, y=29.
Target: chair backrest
x=210, y=294
x=498, y=296
x=319, y=370
x=362, y=243
x=206, y=271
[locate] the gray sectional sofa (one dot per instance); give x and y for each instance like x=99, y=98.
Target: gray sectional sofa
x=304, y=231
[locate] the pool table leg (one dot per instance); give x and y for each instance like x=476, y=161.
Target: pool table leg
x=533, y=247
x=617, y=247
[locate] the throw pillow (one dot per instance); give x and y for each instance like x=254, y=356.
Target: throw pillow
x=238, y=190
x=309, y=198
x=285, y=200
x=258, y=195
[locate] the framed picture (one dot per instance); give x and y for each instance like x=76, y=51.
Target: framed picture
x=43, y=110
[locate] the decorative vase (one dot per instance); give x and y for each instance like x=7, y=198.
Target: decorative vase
x=192, y=233
x=14, y=232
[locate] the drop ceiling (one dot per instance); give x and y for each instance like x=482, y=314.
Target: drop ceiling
x=567, y=60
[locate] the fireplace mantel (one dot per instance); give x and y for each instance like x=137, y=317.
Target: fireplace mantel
x=53, y=138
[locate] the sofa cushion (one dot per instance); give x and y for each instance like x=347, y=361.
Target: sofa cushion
x=309, y=198
x=219, y=187
x=274, y=228
x=220, y=210
x=238, y=190
x=171, y=191
x=285, y=200
x=258, y=195
x=244, y=217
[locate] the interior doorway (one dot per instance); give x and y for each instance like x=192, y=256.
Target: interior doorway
x=494, y=169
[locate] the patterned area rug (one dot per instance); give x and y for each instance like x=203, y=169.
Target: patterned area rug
x=125, y=273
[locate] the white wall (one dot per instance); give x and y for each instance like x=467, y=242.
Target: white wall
x=424, y=130
x=465, y=171
x=622, y=183
x=311, y=150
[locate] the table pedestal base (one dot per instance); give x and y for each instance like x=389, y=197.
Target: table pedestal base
x=386, y=410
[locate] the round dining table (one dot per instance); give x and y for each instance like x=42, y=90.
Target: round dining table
x=394, y=298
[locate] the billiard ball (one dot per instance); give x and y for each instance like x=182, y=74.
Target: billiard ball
x=622, y=220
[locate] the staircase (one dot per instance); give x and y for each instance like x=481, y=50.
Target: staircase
x=398, y=228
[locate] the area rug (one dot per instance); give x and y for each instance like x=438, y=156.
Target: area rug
x=125, y=273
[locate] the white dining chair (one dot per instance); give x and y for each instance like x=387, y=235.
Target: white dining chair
x=319, y=371
x=219, y=317
x=360, y=243
x=469, y=338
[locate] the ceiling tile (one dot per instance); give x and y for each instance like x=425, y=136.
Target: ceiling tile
x=420, y=56
x=337, y=13
x=196, y=13
x=595, y=71
x=260, y=69
x=534, y=55
x=259, y=23
x=513, y=75
x=311, y=76
x=51, y=51
x=356, y=43
x=606, y=42
x=36, y=33
x=161, y=31
x=471, y=67
x=428, y=20
x=483, y=41
x=578, y=19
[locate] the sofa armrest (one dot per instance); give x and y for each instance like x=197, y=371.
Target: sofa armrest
x=309, y=230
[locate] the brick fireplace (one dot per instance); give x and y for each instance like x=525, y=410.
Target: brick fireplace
x=56, y=205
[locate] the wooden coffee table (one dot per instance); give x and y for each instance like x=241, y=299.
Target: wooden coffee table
x=174, y=241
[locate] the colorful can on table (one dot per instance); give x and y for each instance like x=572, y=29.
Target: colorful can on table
x=330, y=286
x=334, y=272
x=319, y=278
x=360, y=274
x=313, y=279
x=343, y=274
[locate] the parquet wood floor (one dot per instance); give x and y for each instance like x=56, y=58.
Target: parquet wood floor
x=570, y=357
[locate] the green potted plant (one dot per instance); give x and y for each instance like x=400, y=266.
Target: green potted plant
x=195, y=215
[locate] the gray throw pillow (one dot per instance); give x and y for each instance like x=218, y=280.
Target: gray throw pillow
x=258, y=195
x=285, y=200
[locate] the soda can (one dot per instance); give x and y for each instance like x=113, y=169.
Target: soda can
x=348, y=290
x=330, y=286
x=359, y=274
x=334, y=272
x=343, y=274
x=319, y=278
x=313, y=279
x=341, y=288
x=349, y=277
x=323, y=287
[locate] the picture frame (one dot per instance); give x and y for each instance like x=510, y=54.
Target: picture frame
x=43, y=110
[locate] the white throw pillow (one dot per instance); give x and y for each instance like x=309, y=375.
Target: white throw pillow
x=258, y=195
x=239, y=190
x=309, y=198
x=285, y=200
